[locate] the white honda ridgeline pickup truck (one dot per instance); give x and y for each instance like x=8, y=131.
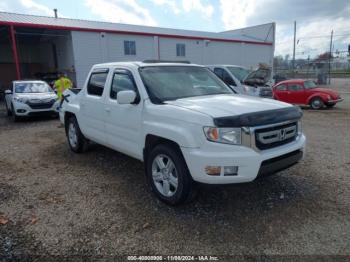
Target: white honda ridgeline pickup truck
x=184, y=123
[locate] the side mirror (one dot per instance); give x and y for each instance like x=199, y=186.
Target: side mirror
x=126, y=97
x=8, y=92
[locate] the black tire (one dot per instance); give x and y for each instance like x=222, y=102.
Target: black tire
x=316, y=103
x=82, y=143
x=8, y=111
x=15, y=117
x=185, y=185
x=330, y=105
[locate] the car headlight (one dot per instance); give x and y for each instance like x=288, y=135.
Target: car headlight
x=224, y=135
x=19, y=100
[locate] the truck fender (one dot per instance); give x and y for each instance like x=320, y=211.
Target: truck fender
x=182, y=136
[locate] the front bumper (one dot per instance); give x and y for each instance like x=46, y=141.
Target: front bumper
x=23, y=109
x=335, y=101
x=250, y=163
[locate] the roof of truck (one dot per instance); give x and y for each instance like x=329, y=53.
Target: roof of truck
x=144, y=64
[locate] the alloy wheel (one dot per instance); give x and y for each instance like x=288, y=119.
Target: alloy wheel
x=164, y=175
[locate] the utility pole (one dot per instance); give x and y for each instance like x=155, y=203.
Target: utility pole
x=295, y=34
x=329, y=59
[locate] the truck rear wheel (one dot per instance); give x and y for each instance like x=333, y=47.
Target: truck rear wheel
x=76, y=140
x=168, y=175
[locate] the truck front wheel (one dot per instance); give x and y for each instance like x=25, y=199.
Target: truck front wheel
x=76, y=140
x=168, y=175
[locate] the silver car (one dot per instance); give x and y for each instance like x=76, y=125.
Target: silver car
x=244, y=81
x=30, y=98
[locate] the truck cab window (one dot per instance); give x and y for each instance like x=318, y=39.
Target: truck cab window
x=122, y=82
x=96, y=83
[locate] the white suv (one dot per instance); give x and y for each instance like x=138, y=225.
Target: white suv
x=184, y=123
x=30, y=98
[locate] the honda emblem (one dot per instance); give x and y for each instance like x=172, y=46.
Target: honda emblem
x=282, y=134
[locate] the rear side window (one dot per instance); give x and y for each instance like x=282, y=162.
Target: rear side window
x=295, y=87
x=96, y=83
x=281, y=88
x=122, y=82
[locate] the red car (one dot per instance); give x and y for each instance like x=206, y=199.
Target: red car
x=305, y=92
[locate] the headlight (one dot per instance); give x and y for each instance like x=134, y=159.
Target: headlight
x=18, y=99
x=223, y=135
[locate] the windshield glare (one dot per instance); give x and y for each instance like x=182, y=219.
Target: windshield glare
x=309, y=84
x=239, y=72
x=174, y=82
x=32, y=88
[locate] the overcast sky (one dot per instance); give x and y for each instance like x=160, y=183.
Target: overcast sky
x=315, y=18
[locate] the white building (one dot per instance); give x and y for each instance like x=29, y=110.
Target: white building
x=31, y=44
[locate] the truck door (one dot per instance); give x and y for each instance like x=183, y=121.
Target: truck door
x=123, y=122
x=92, y=107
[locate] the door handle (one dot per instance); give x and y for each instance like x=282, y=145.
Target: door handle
x=107, y=109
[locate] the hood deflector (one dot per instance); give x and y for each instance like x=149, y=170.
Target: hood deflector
x=260, y=118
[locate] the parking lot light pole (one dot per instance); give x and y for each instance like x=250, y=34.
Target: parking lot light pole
x=15, y=53
x=330, y=58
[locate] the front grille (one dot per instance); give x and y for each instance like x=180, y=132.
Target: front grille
x=276, y=164
x=41, y=105
x=271, y=137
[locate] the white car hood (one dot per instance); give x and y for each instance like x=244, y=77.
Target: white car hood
x=228, y=105
x=41, y=96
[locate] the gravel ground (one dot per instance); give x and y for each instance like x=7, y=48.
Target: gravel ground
x=96, y=204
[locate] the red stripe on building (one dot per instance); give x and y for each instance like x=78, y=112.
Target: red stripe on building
x=54, y=27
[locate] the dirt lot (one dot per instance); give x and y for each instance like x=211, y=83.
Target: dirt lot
x=96, y=204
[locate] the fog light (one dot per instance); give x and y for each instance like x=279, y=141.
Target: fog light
x=213, y=170
x=230, y=170
x=21, y=110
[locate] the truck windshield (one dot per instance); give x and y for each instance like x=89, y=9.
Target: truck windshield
x=239, y=72
x=174, y=82
x=32, y=88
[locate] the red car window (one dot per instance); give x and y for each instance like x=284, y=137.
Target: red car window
x=281, y=88
x=295, y=87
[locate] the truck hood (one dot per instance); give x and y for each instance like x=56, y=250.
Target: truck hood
x=227, y=104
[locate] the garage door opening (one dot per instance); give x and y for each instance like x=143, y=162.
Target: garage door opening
x=41, y=54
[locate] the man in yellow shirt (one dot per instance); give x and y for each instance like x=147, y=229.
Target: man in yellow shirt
x=62, y=84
